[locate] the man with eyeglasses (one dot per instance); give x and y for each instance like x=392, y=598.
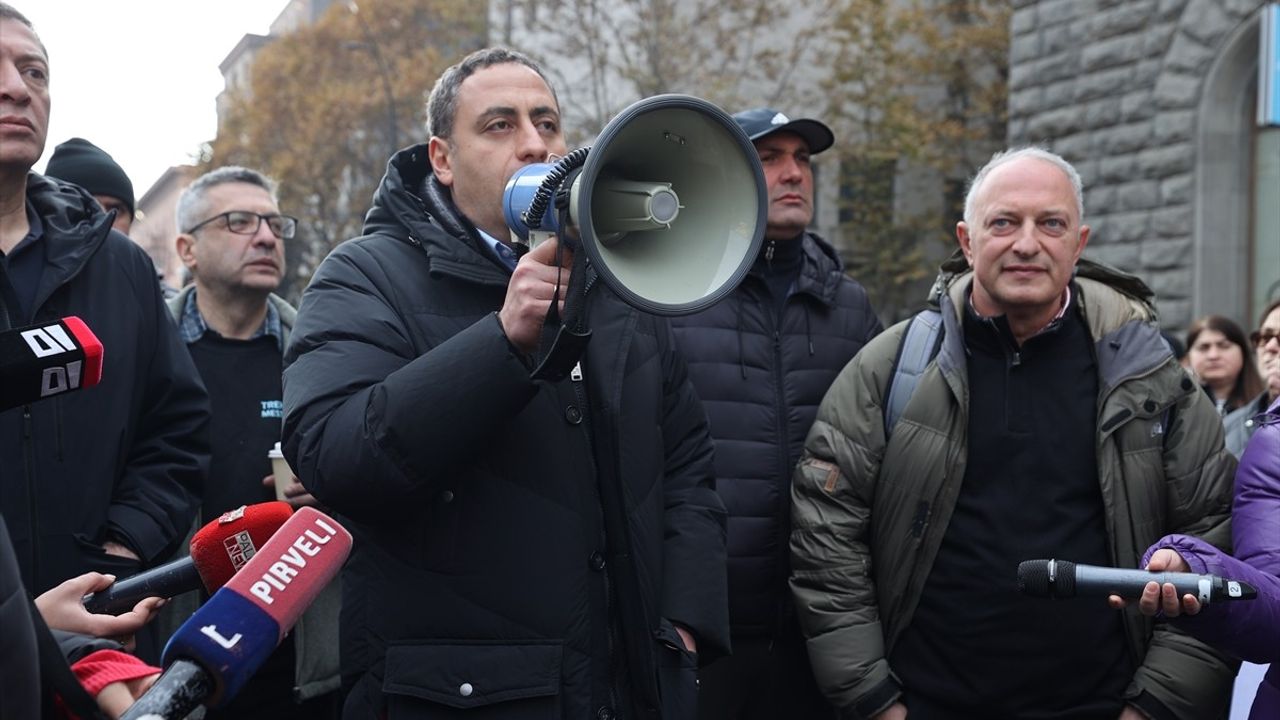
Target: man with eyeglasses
x=104, y=479
x=231, y=237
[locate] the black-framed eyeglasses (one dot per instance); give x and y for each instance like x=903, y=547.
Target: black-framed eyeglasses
x=243, y=222
x=1262, y=337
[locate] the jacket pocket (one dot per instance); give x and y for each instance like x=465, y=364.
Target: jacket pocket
x=473, y=681
x=677, y=674
x=98, y=560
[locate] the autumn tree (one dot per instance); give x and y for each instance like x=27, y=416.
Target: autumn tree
x=605, y=54
x=914, y=89
x=917, y=97
x=327, y=105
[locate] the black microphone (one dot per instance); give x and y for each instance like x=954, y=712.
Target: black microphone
x=217, y=551
x=44, y=360
x=1065, y=579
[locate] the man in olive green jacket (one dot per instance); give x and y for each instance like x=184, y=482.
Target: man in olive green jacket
x=1052, y=419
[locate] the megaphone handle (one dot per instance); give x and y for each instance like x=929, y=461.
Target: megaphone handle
x=564, y=339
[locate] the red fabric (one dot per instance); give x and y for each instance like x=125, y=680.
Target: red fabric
x=99, y=669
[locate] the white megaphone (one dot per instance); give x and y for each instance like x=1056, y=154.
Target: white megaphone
x=670, y=204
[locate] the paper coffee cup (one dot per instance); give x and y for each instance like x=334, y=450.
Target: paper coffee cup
x=280, y=468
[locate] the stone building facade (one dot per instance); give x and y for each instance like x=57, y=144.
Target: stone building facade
x=1154, y=101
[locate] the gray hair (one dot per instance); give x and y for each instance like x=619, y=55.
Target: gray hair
x=9, y=12
x=1008, y=156
x=191, y=204
x=442, y=104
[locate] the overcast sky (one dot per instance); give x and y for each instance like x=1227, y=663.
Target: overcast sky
x=138, y=78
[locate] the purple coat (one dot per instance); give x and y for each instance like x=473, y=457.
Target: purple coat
x=1248, y=630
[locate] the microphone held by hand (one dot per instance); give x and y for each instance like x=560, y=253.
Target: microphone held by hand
x=218, y=550
x=210, y=658
x=1065, y=579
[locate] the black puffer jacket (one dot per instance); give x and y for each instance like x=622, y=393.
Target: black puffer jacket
x=512, y=539
x=125, y=458
x=761, y=381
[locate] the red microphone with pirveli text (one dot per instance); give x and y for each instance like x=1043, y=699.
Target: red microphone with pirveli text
x=215, y=652
x=218, y=551
x=48, y=359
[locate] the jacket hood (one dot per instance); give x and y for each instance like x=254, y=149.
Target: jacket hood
x=412, y=206
x=409, y=198
x=821, y=269
x=75, y=226
x=70, y=215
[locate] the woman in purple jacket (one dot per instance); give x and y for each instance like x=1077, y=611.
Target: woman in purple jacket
x=1248, y=630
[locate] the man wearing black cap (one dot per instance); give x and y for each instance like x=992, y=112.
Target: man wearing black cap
x=761, y=360
x=81, y=162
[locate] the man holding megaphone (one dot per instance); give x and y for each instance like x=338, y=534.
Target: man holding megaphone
x=549, y=547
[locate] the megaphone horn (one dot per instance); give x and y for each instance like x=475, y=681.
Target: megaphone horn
x=670, y=204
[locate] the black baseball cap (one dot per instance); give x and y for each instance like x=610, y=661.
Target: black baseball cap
x=759, y=122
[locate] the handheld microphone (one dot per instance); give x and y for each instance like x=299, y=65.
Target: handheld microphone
x=1063, y=579
x=218, y=550
x=210, y=658
x=41, y=361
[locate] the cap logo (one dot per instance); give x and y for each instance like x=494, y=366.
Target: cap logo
x=779, y=119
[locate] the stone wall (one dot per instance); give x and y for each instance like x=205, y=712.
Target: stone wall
x=1115, y=86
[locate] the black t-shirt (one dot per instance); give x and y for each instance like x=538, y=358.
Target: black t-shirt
x=975, y=647
x=245, y=390
x=243, y=378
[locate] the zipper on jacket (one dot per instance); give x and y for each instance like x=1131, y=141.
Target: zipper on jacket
x=33, y=522
x=611, y=635
x=783, y=444
x=768, y=253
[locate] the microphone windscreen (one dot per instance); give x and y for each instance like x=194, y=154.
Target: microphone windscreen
x=233, y=634
x=1034, y=578
x=294, y=566
x=225, y=544
x=92, y=346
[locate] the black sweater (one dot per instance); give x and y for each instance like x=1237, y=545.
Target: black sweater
x=975, y=647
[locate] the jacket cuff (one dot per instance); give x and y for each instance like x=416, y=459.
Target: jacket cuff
x=137, y=531
x=875, y=702
x=1148, y=705
x=104, y=667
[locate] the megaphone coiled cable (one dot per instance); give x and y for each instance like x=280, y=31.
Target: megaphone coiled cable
x=542, y=197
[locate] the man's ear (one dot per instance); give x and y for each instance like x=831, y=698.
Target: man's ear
x=1084, y=241
x=441, y=161
x=186, y=247
x=966, y=242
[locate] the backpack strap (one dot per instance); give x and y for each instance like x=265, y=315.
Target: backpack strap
x=919, y=346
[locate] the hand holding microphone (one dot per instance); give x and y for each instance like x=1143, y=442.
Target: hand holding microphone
x=218, y=550
x=1157, y=597
x=62, y=609
x=210, y=658
x=1064, y=579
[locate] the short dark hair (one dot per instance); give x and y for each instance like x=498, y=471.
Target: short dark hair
x=9, y=12
x=442, y=104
